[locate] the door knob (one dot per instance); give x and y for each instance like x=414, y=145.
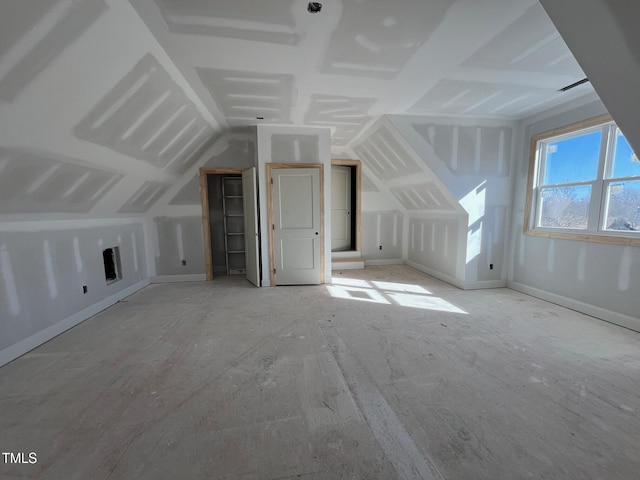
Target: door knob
x=316, y=233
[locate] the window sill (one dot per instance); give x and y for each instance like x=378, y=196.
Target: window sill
x=610, y=238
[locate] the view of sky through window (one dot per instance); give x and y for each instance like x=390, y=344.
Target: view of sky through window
x=573, y=159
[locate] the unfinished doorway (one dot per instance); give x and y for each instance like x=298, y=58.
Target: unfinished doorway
x=225, y=216
x=346, y=181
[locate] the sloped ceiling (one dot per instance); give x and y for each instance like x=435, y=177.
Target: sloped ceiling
x=358, y=59
x=95, y=118
x=606, y=40
x=127, y=95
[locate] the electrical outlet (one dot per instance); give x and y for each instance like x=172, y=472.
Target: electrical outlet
x=380, y=247
x=184, y=262
x=491, y=266
x=84, y=289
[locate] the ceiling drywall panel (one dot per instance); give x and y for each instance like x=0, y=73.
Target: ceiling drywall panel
x=147, y=116
x=399, y=170
x=468, y=98
x=88, y=95
x=142, y=88
x=367, y=184
x=372, y=57
x=347, y=114
x=376, y=38
x=530, y=44
x=189, y=194
x=423, y=196
x=30, y=28
x=144, y=198
x=271, y=21
x=227, y=152
x=385, y=156
x=33, y=182
x=243, y=96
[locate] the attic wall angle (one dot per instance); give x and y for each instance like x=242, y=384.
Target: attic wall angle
x=530, y=44
x=238, y=153
x=148, y=116
x=50, y=26
x=386, y=157
x=39, y=182
x=144, y=198
x=401, y=171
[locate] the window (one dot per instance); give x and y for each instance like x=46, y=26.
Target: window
x=584, y=182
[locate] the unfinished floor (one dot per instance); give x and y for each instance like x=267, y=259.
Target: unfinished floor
x=386, y=374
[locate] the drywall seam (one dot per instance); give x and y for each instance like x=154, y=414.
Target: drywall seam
x=150, y=242
x=18, y=349
x=434, y=273
x=619, y=319
x=193, y=277
x=406, y=221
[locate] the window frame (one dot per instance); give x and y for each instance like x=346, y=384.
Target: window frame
x=598, y=204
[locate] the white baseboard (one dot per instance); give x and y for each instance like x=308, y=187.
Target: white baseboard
x=383, y=261
x=439, y=275
x=586, y=308
x=463, y=285
x=18, y=349
x=480, y=284
x=194, y=277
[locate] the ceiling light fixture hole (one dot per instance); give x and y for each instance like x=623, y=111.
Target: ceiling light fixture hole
x=314, y=7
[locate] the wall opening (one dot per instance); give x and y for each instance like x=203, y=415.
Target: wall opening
x=346, y=209
x=226, y=221
x=112, y=264
x=223, y=222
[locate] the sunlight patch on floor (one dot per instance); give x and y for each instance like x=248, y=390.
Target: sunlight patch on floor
x=387, y=293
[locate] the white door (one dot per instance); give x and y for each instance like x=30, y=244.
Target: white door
x=340, y=208
x=296, y=225
x=251, y=240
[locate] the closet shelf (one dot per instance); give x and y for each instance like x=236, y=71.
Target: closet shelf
x=234, y=240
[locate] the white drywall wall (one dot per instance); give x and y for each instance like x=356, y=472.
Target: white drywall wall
x=282, y=144
x=472, y=158
x=175, y=228
x=595, y=278
x=43, y=267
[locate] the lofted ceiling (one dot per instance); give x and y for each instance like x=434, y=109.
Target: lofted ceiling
x=358, y=59
x=105, y=103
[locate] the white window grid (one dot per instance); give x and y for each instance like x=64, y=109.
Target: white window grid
x=600, y=186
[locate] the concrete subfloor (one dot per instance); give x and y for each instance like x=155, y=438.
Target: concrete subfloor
x=408, y=377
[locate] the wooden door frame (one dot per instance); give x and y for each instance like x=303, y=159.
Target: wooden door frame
x=206, y=220
x=272, y=256
x=358, y=168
